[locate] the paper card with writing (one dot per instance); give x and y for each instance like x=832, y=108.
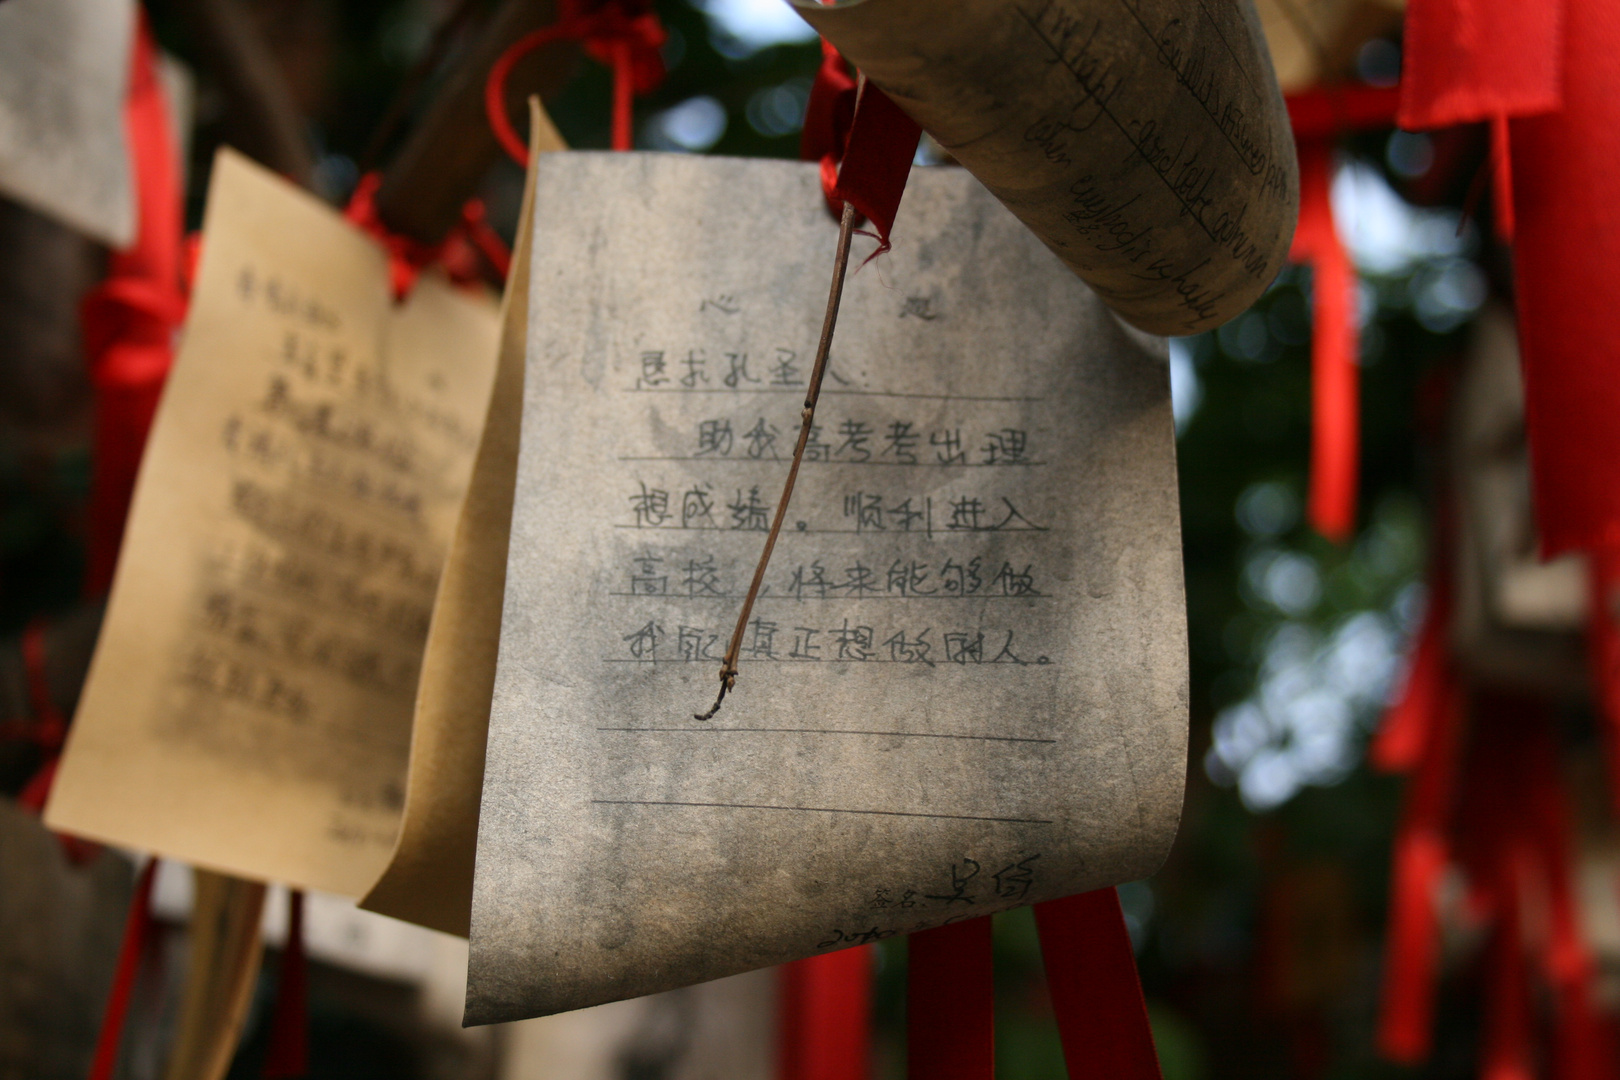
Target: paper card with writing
x=429, y=879
x=1145, y=141
x=964, y=688
x=248, y=708
x=64, y=75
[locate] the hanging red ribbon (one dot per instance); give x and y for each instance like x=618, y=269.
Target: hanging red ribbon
x=1421, y=734
x=1603, y=654
x=1333, y=110
x=1464, y=61
x=1515, y=842
x=1502, y=178
x=458, y=253
x=1418, y=711
x=1546, y=73
x=1472, y=61
x=1420, y=857
x=827, y=119
x=1096, y=991
x=825, y=1017
x=49, y=729
x=624, y=35
x=130, y=320
x=950, y=1003
x=137, y=928
x=1318, y=117
x=864, y=142
x=1566, y=165
x=288, y=1055
x=877, y=161
x=1584, y=1050
x=1335, y=380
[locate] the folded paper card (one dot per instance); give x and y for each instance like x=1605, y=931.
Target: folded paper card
x=1145, y=141
x=964, y=686
x=248, y=708
x=429, y=879
x=64, y=75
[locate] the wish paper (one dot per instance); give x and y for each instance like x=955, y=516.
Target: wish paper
x=64, y=75
x=248, y=707
x=963, y=688
x=429, y=879
x=1145, y=141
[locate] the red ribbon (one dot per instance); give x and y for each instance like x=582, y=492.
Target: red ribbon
x=825, y=1017
x=1584, y=1048
x=1566, y=165
x=1464, y=61
x=1515, y=834
x=627, y=40
x=950, y=1003
x=50, y=726
x=1547, y=71
x=1333, y=110
x=827, y=119
x=1421, y=853
x=1551, y=68
x=1509, y=1020
x=1421, y=733
x=1403, y=736
x=1511, y=833
x=1096, y=992
x=864, y=142
x=1603, y=653
x=130, y=319
x=288, y=1055
x=1335, y=379
x=458, y=253
x=137, y=928
x=48, y=730
x=1502, y=178
x=1318, y=117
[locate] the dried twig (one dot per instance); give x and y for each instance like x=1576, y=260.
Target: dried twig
x=268, y=125
x=447, y=154
x=728, y=668
x=406, y=93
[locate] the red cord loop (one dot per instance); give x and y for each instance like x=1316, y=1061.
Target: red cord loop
x=623, y=34
x=459, y=252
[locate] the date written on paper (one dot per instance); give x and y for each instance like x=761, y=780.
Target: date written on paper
x=971, y=891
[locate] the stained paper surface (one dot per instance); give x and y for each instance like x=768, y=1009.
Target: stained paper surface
x=1145, y=141
x=964, y=689
x=429, y=879
x=64, y=75
x=248, y=708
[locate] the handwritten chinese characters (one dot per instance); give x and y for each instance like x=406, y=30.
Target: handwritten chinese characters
x=960, y=685
x=962, y=889
x=1144, y=141
x=264, y=640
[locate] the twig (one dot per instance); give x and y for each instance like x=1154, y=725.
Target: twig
x=405, y=94
x=447, y=154
x=728, y=668
x=267, y=124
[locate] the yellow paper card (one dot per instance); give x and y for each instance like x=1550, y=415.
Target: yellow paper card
x=249, y=705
